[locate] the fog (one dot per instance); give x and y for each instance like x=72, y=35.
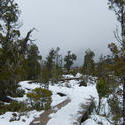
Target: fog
x=74, y=25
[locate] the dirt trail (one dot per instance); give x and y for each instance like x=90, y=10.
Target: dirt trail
x=44, y=117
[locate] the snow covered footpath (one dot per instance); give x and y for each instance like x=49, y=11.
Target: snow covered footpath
x=66, y=115
x=79, y=96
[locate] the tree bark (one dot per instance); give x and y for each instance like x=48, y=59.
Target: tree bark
x=123, y=55
x=123, y=31
x=124, y=100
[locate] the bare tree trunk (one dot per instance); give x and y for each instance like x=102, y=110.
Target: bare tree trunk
x=124, y=100
x=99, y=106
x=123, y=56
x=123, y=32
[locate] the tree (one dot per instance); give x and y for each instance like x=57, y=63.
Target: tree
x=9, y=58
x=9, y=14
x=68, y=59
x=51, y=69
x=33, y=62
x=119, y=7
x=50, y=62
x=13, y=49
x=57, y=68
x=88, y=66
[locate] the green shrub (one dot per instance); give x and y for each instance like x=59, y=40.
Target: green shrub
x=2, y=109
x=40, y=98
x=19, y=93
x=44, y=75
x=56, y=74
x=102, y=87
x=14, y=106
x=103, y=90
x=115, y=109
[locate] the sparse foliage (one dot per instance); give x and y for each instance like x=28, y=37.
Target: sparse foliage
x=88, y=66
x=69, y=60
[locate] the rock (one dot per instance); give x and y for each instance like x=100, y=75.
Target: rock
x=61, y=94
x=82, y=83
x=14, y=115
x=23, y=120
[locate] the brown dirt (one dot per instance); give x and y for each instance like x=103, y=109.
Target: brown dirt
x=44, y=117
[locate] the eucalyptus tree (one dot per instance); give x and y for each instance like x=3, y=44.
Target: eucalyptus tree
x=50, y=61
x=13, y=49
x=9, y=14
x=33, y=62
x=88, y=66
x=118, y=6
x=69, y=60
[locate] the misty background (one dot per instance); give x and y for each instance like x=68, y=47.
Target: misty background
x=74, y=25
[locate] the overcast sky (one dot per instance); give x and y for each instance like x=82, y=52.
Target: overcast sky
x=74, y=25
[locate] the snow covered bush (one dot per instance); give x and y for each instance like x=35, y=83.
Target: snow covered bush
x=103, y=90
x=14, y=106
x=102, y=87
x=40, y=98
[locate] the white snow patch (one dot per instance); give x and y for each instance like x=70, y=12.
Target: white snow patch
x=89, y=122
x=68, y=76
x=24, y=120
x=25, y=85
x=78, y=75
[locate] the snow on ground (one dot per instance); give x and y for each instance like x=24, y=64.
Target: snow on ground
x=78, y=75
x=105, y=108
x=24, y=120
x=26, y=85
x=68, y=76
x=100, y=120
x=56, y=99
x=95, y=119
x=78, y=95
x=89, y=122
x=66, y=115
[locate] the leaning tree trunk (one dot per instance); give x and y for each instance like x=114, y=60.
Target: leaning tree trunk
x=123, y=31
x=123, y=55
